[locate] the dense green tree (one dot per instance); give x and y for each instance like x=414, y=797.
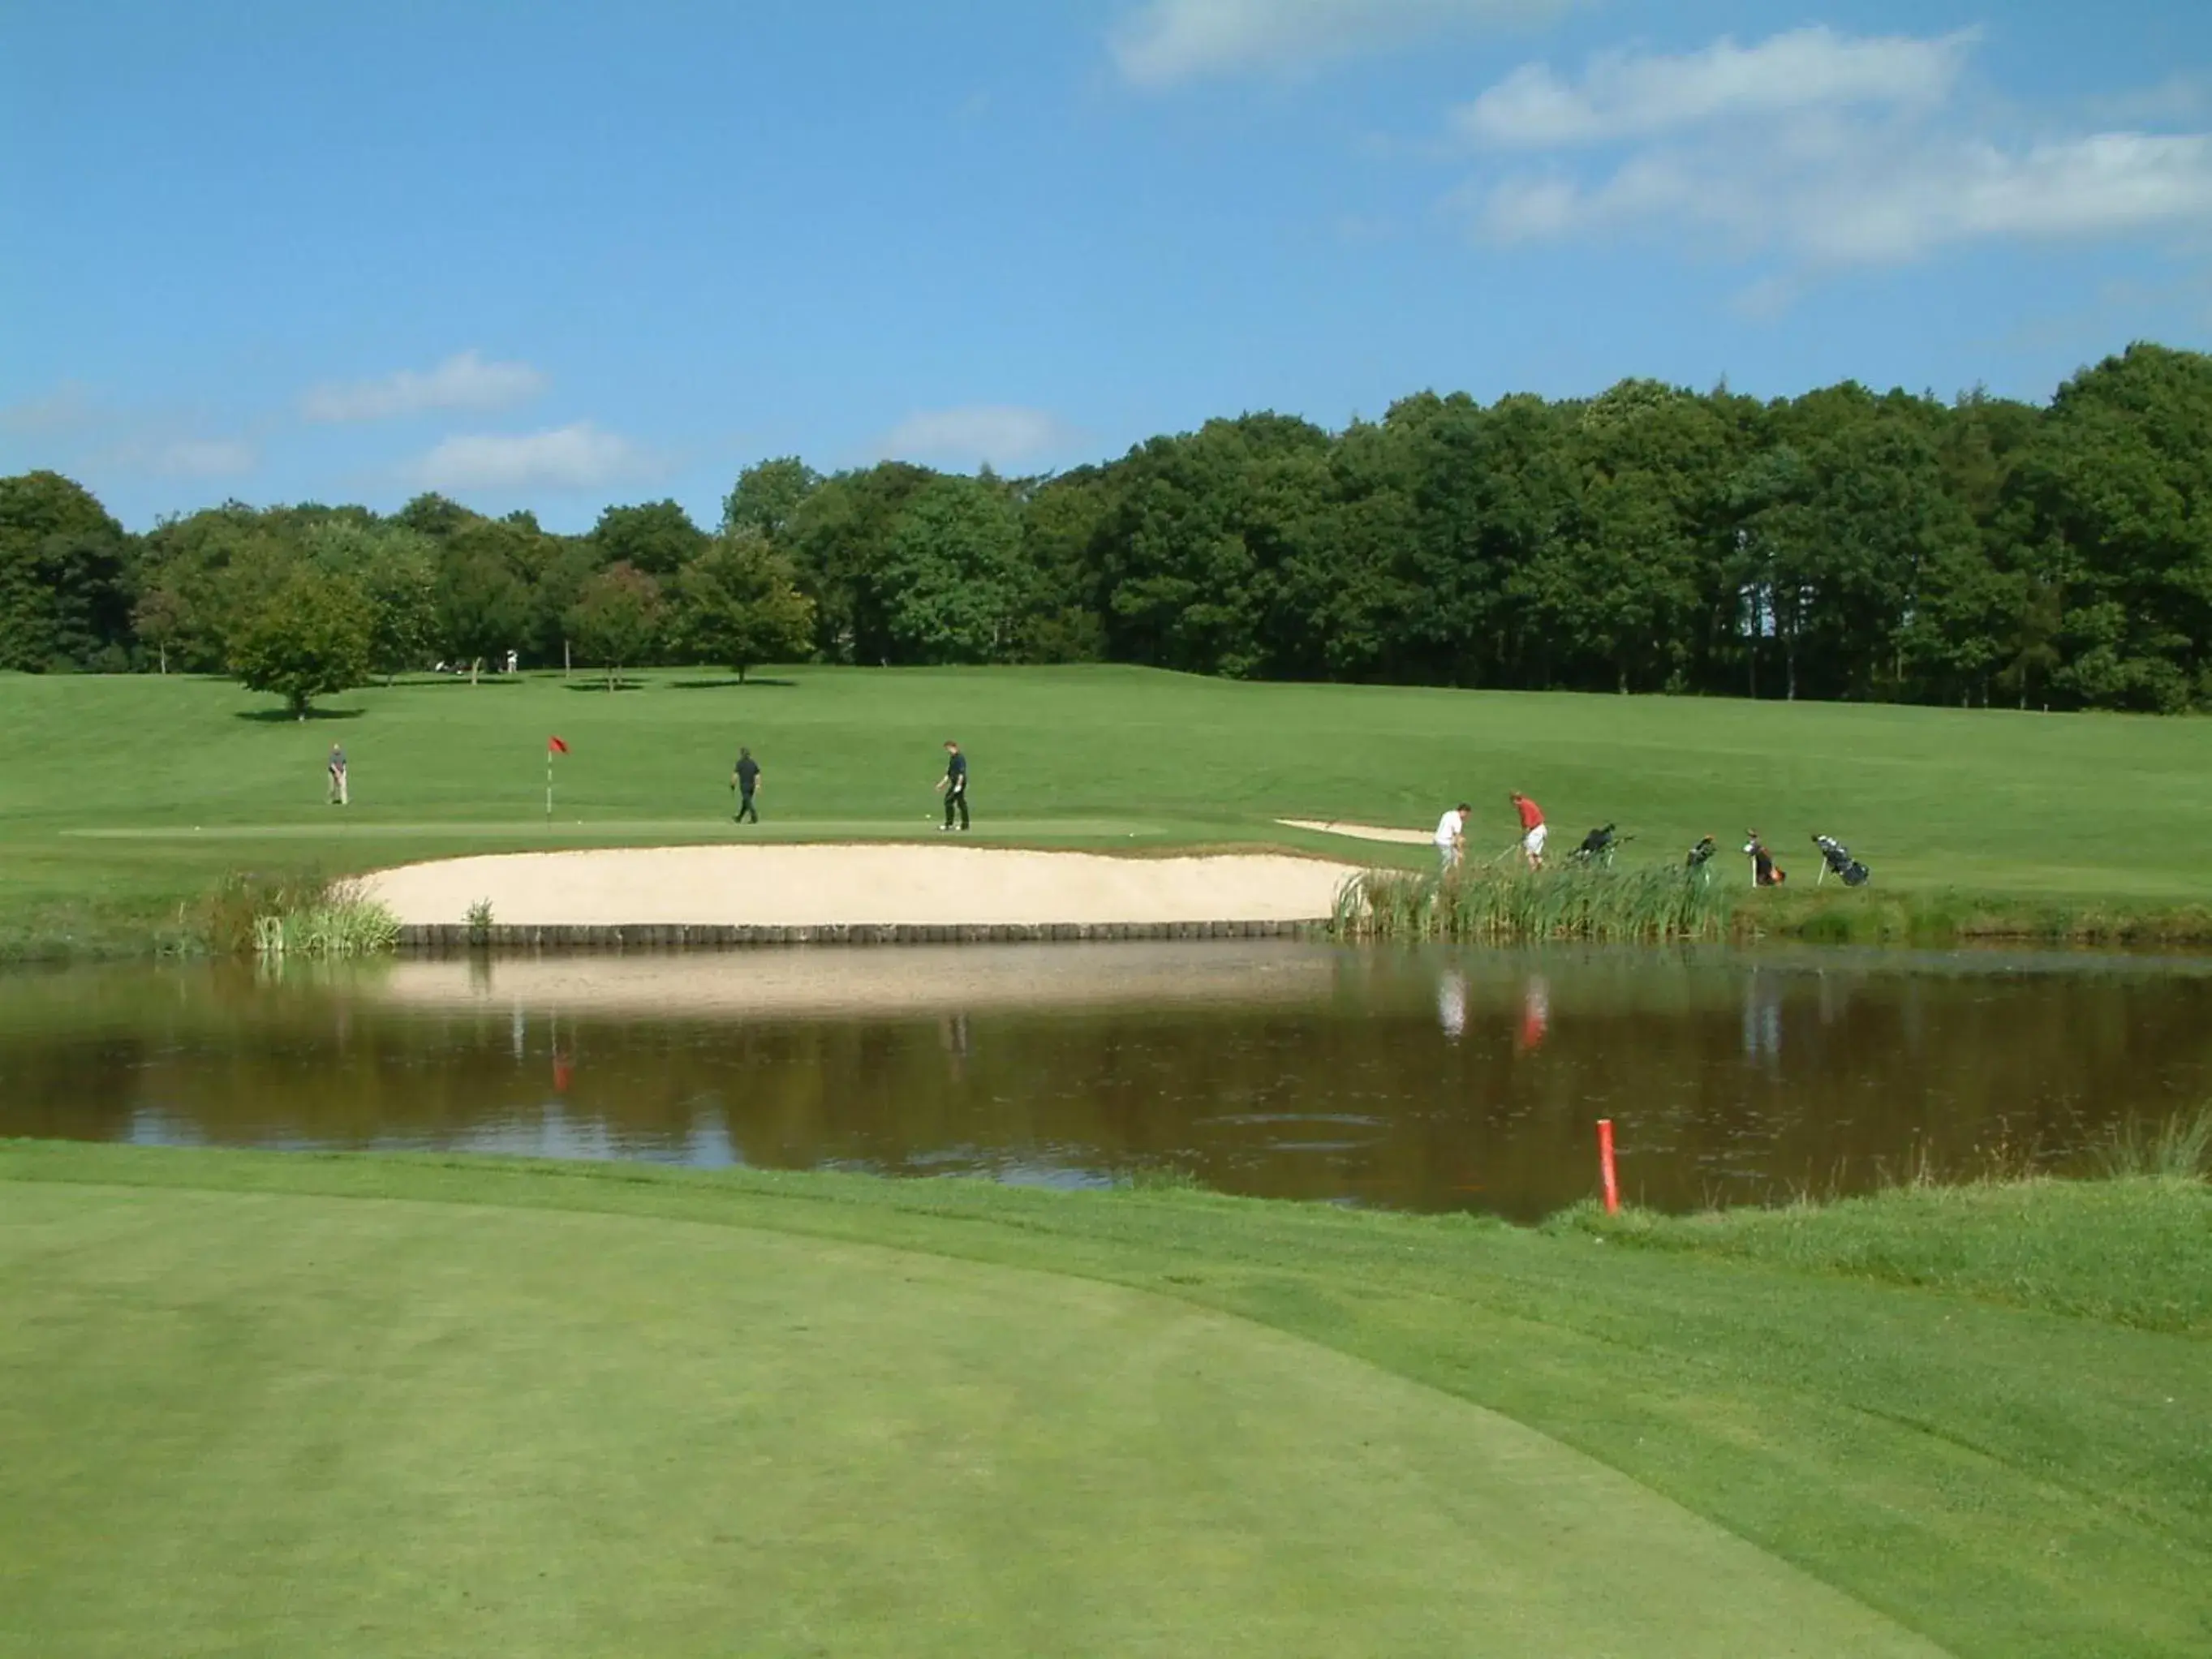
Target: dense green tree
x=434, y=516
x=64, y=595
x=738, y=605
x=949, y=582
x=658, y=538
x=616, y=620
x=482, y=607
x=1058, y=619
x=2118, y=480
x=840, y=539
x=768, y=495
x=308, y=638
x=1613, y=600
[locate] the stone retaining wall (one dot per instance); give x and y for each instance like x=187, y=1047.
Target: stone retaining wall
x=449, y=938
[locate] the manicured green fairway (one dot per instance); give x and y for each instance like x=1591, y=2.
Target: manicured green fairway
x=284, y=1404
x=125, y=795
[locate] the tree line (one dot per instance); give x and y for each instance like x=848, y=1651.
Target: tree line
x=1841, y=544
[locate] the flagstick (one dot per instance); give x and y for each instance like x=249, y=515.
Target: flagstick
x=549, y=783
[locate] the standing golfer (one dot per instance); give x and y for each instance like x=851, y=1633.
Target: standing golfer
x=954, y=784
x=1533, y=832
x=745, y=780
x=338, y=770
x=1451, y=836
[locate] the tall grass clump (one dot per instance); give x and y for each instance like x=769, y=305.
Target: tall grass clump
x=292, y=915
x=227, y=921
x=1647, y=905
x=340, y=922
x=2180, y=1148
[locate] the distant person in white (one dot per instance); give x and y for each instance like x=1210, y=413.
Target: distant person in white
x=1452, y=835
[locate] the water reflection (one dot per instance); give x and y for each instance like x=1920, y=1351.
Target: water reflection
x=1426, y=1081
x=1452, y=1004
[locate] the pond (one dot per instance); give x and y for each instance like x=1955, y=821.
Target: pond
x=1423, y=1081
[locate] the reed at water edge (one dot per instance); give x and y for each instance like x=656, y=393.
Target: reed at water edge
x=289, y=915
x=1592, y=904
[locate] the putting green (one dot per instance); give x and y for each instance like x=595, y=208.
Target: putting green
x=292, y=1425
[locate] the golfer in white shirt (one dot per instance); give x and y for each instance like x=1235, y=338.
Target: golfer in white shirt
x=1452, y=835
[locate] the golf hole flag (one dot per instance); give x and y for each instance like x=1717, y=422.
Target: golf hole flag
x=553, y=746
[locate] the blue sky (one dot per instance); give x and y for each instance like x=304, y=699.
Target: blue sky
x=554, y=255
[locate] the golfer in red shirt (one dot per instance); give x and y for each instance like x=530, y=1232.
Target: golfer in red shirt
x=1533, y=833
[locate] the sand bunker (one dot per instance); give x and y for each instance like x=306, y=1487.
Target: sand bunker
x=1361, y=831
x=803, y=983
x=786, y=886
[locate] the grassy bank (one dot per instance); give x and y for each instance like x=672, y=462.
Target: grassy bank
x=124, y=801
x=422, y=1406
x=1652, y=905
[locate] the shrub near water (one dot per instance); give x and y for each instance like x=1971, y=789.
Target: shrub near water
x=291, y=916
x=340, y=922
x=1568, y=902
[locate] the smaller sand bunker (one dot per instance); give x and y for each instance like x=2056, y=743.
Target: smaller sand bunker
x=875, y=884
x=1359, y=832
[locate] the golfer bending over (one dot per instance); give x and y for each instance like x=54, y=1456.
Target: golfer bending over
x=1533, y=832
x=954, y=784
x=1451, y=836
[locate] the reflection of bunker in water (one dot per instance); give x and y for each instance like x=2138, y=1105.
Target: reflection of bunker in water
x=891, y=980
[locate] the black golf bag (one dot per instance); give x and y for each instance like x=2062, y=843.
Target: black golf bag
x=1838, y=862
x=1597, y=847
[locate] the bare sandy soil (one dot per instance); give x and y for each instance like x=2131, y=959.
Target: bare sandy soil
x=827, y=981
x=784, y=886
x=1362, y=831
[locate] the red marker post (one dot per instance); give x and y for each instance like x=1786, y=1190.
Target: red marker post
x=1605, y=1166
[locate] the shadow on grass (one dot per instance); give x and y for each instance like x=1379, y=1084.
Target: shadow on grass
x=731, y=684
x=601, y=686
x=286, y=717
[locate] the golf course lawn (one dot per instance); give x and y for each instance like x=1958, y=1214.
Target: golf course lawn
x=276, y=1403
x=122, y=796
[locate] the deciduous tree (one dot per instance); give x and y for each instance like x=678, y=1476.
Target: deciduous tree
x=738, y=605
x=309, y=638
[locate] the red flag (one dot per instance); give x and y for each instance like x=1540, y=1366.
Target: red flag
x=555, y=746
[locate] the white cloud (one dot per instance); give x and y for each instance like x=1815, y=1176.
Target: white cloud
x=1834, y=152
x=1626, y=96
x=1002, y=435
x=2184, y=97
x=1166, y=42
x=576, y=457
x=464, y=381
x=206, y=457
x=67, y=407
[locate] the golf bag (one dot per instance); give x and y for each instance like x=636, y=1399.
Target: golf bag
x=1765, y=871
x=1598, y=846
x=1698, y=866
x=1837, y=861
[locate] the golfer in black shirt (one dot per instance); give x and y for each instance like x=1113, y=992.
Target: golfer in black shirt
x=745, y=780
x=955, y=784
